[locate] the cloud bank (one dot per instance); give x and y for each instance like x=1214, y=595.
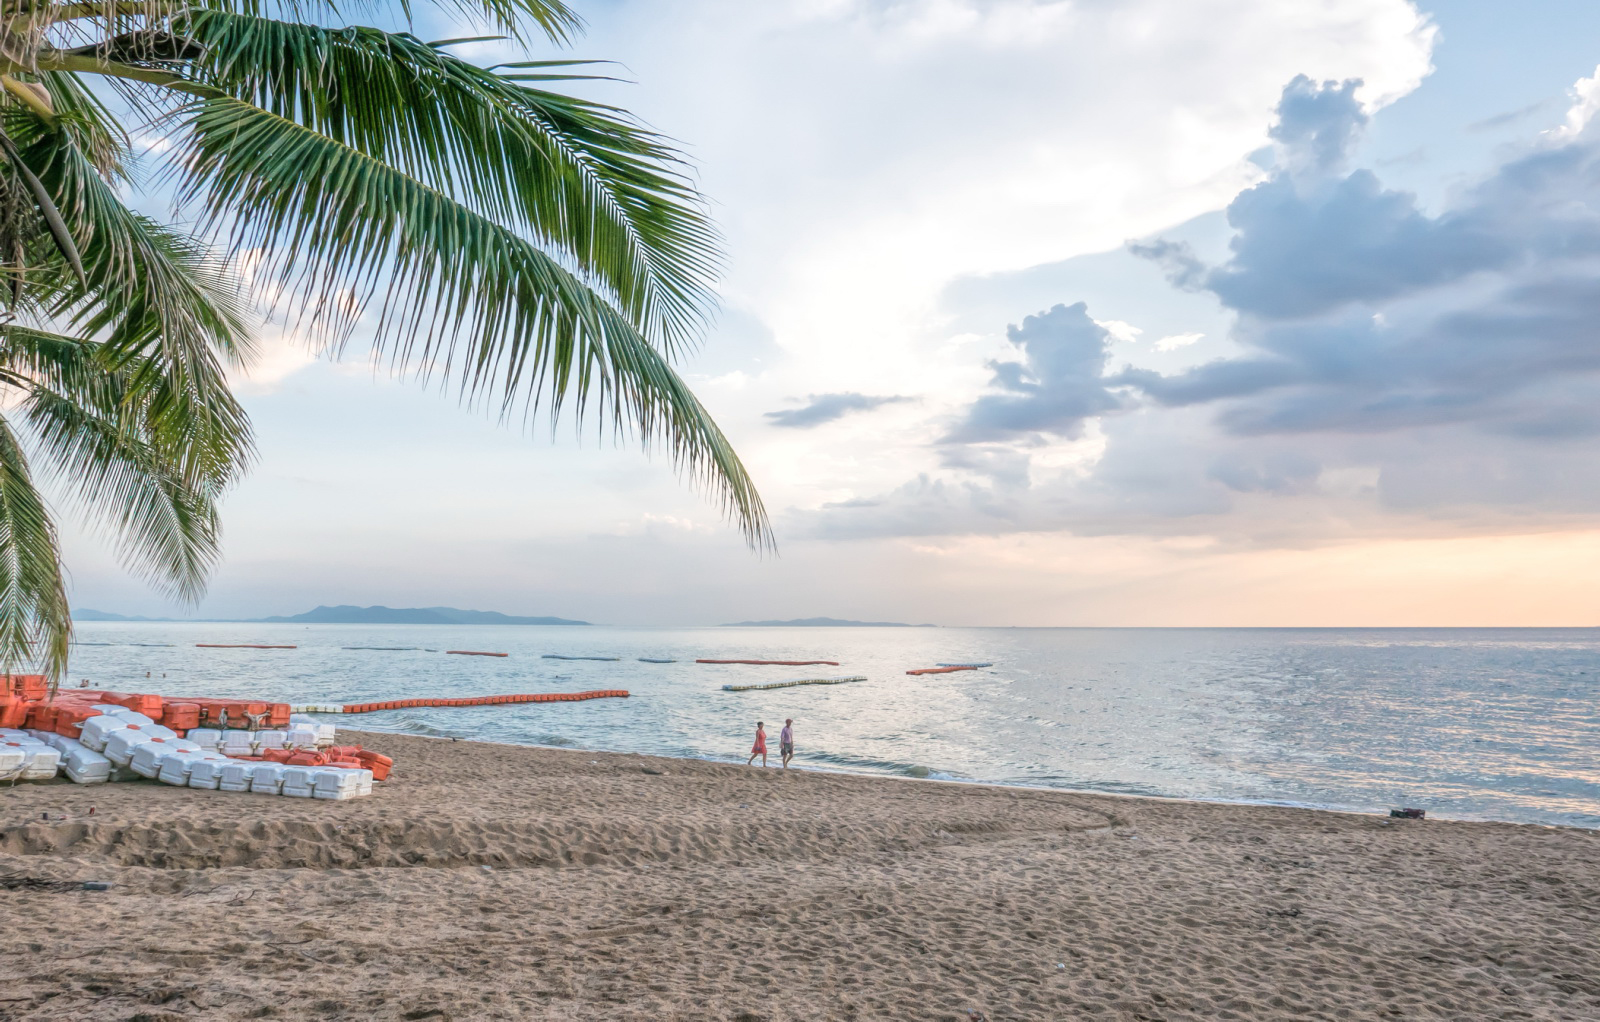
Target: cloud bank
x=1390, y=367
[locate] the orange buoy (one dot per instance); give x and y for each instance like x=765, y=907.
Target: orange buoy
x=942, y=670
x=776, y=662
x=473, y=652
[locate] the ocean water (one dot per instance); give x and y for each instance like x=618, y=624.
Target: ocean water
x=1497, y=724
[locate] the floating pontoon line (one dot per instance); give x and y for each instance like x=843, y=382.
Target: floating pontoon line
x=776, y=662
x=385, y=648
x=655, y=660
x=238, y=645
x=943, y=670
x=407, y=704
x=151, y=644
x=791, y=684
x=558, y=656
x=473, y=652
x=967, y=665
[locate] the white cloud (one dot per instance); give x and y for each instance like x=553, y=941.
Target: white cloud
x=1173, y=342
x=1120, y=331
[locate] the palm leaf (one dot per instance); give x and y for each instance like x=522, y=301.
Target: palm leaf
x=35, y=622
x=96, y=423
x=613, y=199
x=458, y=295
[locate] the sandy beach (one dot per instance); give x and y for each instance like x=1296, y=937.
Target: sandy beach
x=496, y=882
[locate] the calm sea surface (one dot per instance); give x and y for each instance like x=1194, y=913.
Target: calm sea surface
x=1468, y=723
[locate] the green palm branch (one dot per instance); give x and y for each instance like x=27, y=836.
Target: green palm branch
x=476, y=227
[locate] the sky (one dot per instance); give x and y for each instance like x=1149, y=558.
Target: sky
x=1035, y=312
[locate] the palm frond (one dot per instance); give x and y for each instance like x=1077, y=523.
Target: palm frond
x=613, y=199
x=457, y=295
x=102, y=429
x=35, y=622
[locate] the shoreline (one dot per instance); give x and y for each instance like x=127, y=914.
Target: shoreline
x=1097, y=792
x=507, y=882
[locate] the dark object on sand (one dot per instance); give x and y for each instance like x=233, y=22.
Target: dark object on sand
x=1408, y=814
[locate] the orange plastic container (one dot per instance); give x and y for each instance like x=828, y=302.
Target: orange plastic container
x=69, y=719
x=13, y=710
x=180, y=716
x=146, y=703
x=41, y=716
x=30, y=687
x=278, y=715
x=377, y=762
x=307, y=759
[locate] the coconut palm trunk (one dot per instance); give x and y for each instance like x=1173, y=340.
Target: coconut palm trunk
x=473, y=227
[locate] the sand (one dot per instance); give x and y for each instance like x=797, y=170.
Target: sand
x=495, y=882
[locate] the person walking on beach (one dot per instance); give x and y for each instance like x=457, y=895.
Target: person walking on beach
x=786, y=741
x=760, y=748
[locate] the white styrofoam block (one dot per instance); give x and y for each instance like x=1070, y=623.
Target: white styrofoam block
x=270, y=739
x=205, y=737
x=12, y=761
x=120, y=744
x=234, y=775
x=175, y=767
x=206, y=773
x=95, y=730
x=297, y=781
x=43, y=762
x=85, y=766
x=266, y=778
x=147, y=757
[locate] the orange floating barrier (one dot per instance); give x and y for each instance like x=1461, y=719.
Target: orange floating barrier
x=941, y=670
x=473, y=652
x=544, y=697
x=776, y=662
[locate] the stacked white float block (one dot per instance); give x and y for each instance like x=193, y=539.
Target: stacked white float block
x=12, y=762
x=95, y=730
x=122, y=712
x=147, y=757
x=85, y=766
x=270, y=739
x=119, y=744
x=301, y=736
x=207, y=772
x=205, y=737
x=298, y=781
x=232, y=775
x=39, y=761
x=340, y=783
x=267, y=778
x=176, y=766
x=238, y=743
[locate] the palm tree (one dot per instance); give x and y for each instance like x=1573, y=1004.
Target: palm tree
x=472, y=226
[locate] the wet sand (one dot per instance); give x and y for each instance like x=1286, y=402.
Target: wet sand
x=496, y=882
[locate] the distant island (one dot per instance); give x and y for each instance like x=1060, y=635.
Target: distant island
x=346, y=615
x=85, y=614
x=821, y=622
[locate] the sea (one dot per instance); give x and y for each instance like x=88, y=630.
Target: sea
x=1470, y=724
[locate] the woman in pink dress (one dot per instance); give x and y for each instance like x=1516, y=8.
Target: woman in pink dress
x=760, y=748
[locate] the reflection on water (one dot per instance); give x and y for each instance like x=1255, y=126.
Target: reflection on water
x=1471, y=723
